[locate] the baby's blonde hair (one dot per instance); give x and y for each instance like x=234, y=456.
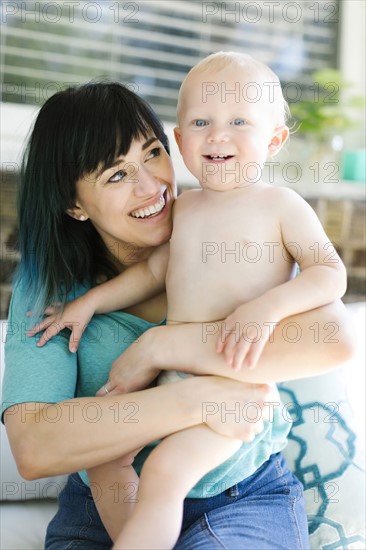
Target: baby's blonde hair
x=258, y=70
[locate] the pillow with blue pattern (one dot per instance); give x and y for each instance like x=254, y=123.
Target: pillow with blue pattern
x=326, y=452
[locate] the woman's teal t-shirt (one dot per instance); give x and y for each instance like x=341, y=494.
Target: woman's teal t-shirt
x=52, y=374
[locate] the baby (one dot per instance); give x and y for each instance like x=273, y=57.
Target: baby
x=233, y=253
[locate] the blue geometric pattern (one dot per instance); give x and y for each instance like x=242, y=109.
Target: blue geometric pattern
x=321, y=487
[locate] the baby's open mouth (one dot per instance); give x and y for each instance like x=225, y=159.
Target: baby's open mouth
x=217, y=158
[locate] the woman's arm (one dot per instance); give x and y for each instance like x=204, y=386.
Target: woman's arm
x=51, y=432
x=76, y=441
x=303, y=345
x=53, y=439
x=307, y=344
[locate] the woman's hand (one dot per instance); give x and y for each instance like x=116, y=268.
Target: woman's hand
x=239, y=409
x=230, y=408
x=133, y=370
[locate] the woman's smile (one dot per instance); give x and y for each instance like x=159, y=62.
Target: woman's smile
x=154, y=208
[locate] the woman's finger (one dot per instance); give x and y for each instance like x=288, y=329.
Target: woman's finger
x=103, y=393
x=104, y=390
x=114, y=392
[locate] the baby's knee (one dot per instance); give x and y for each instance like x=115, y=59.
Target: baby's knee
x=126, y=460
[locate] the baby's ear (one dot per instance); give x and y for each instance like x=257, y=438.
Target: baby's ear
x=178, y=137
x=279, y=138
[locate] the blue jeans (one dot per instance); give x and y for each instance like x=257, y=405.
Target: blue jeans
x=264, y=512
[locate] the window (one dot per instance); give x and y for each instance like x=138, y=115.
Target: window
x=150, y=45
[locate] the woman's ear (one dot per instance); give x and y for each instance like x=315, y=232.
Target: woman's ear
x=278, y=140
x=178, y=138
x=77, y=213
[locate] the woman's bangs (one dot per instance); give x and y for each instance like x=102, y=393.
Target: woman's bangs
x=102, y=135
x=135, y=124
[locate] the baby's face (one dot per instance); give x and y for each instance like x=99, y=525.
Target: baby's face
x=227, y=128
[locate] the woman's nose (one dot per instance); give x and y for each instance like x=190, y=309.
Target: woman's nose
x=146, y=183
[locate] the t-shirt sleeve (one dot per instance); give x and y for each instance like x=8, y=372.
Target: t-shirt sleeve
x=32, y=374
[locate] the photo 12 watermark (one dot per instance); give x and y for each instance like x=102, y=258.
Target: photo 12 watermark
x=70, y=11
x=37, y=93
x=270, y=12
x=72, y=411
x=290, y=331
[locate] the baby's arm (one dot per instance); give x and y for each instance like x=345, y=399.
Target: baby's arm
x=136, y=284
x=322, y=280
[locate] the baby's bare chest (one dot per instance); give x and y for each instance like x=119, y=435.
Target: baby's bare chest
x=221, y=258
x=230, y=234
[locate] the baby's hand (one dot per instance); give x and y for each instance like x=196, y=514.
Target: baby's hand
x=75, y=316
x=245, y=332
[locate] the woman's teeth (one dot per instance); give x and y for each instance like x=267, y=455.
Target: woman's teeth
x=149, y=210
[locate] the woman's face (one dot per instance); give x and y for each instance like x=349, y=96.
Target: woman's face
x=130, y=203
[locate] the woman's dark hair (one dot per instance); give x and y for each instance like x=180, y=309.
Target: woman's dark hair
x=77, y=131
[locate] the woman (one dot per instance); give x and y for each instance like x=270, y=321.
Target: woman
x=97, y=155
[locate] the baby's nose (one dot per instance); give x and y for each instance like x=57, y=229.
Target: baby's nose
x=218, y=134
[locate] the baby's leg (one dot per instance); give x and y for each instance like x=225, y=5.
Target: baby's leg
x=169, y=473
x=114, y=488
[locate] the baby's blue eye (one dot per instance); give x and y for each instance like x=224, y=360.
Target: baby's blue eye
x=239, y=122
x=200, y=122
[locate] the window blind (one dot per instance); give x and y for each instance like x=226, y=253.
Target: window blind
x=150, y=45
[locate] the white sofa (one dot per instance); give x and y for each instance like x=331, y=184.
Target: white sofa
x=326, y=450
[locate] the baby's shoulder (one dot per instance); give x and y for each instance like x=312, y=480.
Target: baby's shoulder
x=280, y=196
x=189, y=194
x=186, y=198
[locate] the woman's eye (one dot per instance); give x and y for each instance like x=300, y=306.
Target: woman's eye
x=156, y=152
x=239, y=122
x=200, y=122
x=118, y=176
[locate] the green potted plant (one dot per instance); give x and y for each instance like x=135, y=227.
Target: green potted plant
x=330, y=110
x=321, y=121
